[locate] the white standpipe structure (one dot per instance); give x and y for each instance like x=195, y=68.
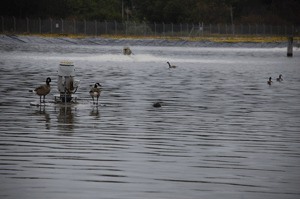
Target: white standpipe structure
x=66, y=84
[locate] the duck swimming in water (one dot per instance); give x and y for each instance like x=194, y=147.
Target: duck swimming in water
x=95, y=92
x=279, y=79
x=269, y=81
x=43, y=90
x=171, y=66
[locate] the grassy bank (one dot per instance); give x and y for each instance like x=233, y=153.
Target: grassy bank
x=214, y=38
x=211, y=38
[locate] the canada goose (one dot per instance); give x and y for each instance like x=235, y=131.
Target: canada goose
x=269, y=81
x=43, y=90
x=171, y=66
x=279, y=79
x=95, y=92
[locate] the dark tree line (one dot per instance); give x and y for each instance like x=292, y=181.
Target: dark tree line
x=168, y=11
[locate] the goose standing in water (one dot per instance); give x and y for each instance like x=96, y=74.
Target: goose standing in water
x=171, y=66
x=95, y=92
x=279, y=79
x=269, y=81
x=43, y=90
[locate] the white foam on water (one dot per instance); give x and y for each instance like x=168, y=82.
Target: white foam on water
x=125, y=58
x=147, y=54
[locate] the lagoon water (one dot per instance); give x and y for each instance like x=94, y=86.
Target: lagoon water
x=222, y=131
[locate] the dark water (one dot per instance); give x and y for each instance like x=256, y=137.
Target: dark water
x=222, y=132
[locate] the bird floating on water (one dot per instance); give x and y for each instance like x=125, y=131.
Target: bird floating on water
x=127, y=51
x=171, y=66
x=43, y=90
x=279, y=79
x=157, y=104
x=95, y=92
x=269, y=81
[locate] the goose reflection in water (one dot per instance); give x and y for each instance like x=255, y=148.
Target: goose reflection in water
x=45, y=117
x=95, y=112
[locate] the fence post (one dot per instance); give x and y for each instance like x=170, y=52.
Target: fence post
x=134, y=28
x=27, y=24
x=84, y=21
x=40, y=25
x=193, y=28
x=62, y=26
x=2, y=23
x=271, y=29
x=249, y=30
x=95, y=28
x=50, y=25
x=256, y=29
x=15, y=26
x=125, y=27
x=187, y=29
x=181, y=33
x=74, y=26
x=285, y=30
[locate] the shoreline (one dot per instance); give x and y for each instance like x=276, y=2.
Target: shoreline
x=202, y=41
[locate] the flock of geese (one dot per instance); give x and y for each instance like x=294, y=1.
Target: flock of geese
x=95, y=91
x=45, y=89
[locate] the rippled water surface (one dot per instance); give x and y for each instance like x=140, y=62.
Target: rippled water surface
x=222, y=132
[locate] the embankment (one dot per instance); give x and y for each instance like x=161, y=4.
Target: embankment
x=246, y=42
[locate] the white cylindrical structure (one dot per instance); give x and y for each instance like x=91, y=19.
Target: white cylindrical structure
x=65, y=83
x=66, y=68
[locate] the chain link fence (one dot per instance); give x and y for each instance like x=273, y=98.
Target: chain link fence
x=14, y=25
